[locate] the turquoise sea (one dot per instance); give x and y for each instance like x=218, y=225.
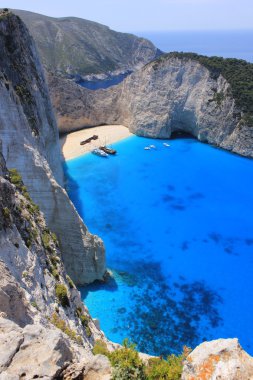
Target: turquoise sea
x=178, y=229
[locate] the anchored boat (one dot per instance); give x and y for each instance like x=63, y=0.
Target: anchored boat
x=107, y=150
x=99, y=152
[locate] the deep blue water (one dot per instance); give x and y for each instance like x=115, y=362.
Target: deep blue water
x=227, y=44
x=178, y=228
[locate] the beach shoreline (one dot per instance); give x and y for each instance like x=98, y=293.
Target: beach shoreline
x=107, y=134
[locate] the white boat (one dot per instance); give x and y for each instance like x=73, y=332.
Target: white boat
x=165, y=144
x=147, y=148
x=99, y=152
x=152, y=146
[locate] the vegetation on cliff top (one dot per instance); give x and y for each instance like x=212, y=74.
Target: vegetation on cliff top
x=237, y=72
x=128, y=365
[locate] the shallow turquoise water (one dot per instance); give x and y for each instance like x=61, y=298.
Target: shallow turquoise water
x=178, y=228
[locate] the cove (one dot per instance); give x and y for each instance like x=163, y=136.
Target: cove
x=178, y=229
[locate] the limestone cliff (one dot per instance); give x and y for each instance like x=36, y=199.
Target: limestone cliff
x=29, y=137
x=45, y=329
x=174, y=93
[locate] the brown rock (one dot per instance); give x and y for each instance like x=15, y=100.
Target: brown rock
x=222, y=359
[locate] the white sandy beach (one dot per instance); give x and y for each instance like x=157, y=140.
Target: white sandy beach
x=107, y=134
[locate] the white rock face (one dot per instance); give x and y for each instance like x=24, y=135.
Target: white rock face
x=40, y=336
x=30, y=144
x=173, y=94
x=221, y=359
x=36, y=352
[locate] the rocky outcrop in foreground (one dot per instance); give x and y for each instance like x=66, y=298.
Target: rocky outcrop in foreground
x=174, y=93
x=30, y=144
x=221, y=359
x=71, y=45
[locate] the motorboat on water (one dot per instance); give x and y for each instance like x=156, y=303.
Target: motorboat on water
x=165, y=144
x=107, y=150
x=99, y=152
x=147, y=148
x=152, y=146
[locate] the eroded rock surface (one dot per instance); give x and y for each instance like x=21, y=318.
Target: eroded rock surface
x=222, y=359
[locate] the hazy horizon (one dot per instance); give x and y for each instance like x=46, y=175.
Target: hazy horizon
x=153, y=16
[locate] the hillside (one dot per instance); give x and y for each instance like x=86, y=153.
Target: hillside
x=75, y=46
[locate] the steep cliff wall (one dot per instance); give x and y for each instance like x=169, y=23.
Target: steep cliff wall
x=30, y=144
x=176, y=92
x=45, y=330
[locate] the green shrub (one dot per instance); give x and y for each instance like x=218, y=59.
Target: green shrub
x=78, y=311
x=15, y=178
x=88, y=331
x=100, y=348
x=61, y=324
x=169, y=369
x=84, y=319
x=126, y=363
x=70, y=282
x=6, y=213
x=79, y=340
x=25, y=274
x=218, y=98
x=46, y=240
x=55, y=273
x=33, y=233
x=32, y=207
x=34, y=304
x=54, y=238
x=62, y=295
x=127, y=373
x=54, y=260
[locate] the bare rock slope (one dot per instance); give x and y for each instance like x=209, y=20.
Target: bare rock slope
x=30, y=143
x=177, y=92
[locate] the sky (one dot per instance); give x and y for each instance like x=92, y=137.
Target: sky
x=148, y=15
